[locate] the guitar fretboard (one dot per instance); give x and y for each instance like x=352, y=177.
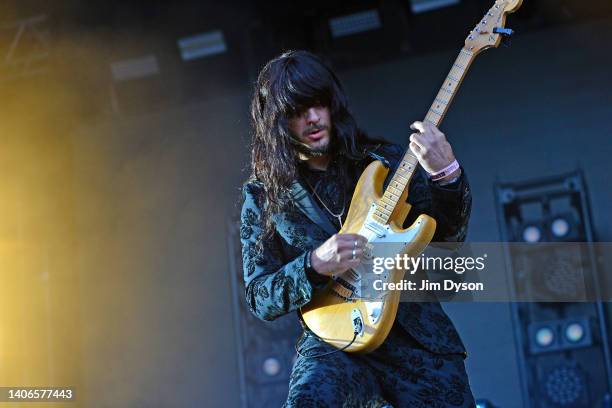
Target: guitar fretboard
x=409, y=163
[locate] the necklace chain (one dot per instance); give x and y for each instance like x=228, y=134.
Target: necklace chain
x=337, y=216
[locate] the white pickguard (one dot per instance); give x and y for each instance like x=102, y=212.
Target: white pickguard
x=394, y=243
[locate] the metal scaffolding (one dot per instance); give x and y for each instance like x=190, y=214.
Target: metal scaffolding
x=24, y=48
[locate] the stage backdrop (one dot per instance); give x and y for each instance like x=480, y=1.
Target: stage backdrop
x=153, y=192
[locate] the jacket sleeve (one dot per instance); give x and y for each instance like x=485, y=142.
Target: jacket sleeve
x=272, y=287
x=450, y=205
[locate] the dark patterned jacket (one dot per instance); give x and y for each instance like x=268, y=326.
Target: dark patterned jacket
x=275, y=278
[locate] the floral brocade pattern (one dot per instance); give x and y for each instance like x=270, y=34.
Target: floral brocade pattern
x=398, y=374
x=421, y=362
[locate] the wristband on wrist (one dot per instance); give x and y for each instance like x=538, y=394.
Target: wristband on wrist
x=313, y=276
x=439, y=175
x=308, y=262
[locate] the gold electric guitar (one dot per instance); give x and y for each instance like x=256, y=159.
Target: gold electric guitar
x=338, y=313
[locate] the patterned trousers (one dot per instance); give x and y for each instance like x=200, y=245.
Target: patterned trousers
x=400, y=373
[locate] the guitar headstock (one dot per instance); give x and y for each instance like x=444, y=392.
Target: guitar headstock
x=489, y=31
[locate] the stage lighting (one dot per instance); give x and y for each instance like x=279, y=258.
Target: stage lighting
x=354, y=23
x=574, y=332
x=560, y=227
x=266, y=364
x=545, y=336
x=202, y=45
x=556, y=335
x=565, y=385
x=560, y=275
x=271, y=366
x=532, y=233
x=135, y=68
x=421, y=6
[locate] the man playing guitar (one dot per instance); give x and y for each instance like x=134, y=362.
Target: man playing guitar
x=307, y=148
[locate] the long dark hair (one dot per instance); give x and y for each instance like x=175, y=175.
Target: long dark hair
x=287, y=85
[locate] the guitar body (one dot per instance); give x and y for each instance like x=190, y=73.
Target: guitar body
x=331, y=313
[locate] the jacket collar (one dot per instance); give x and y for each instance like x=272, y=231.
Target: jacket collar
x=304, y=202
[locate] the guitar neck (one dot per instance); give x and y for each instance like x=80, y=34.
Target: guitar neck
x=435, y=114
x=449, y=88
